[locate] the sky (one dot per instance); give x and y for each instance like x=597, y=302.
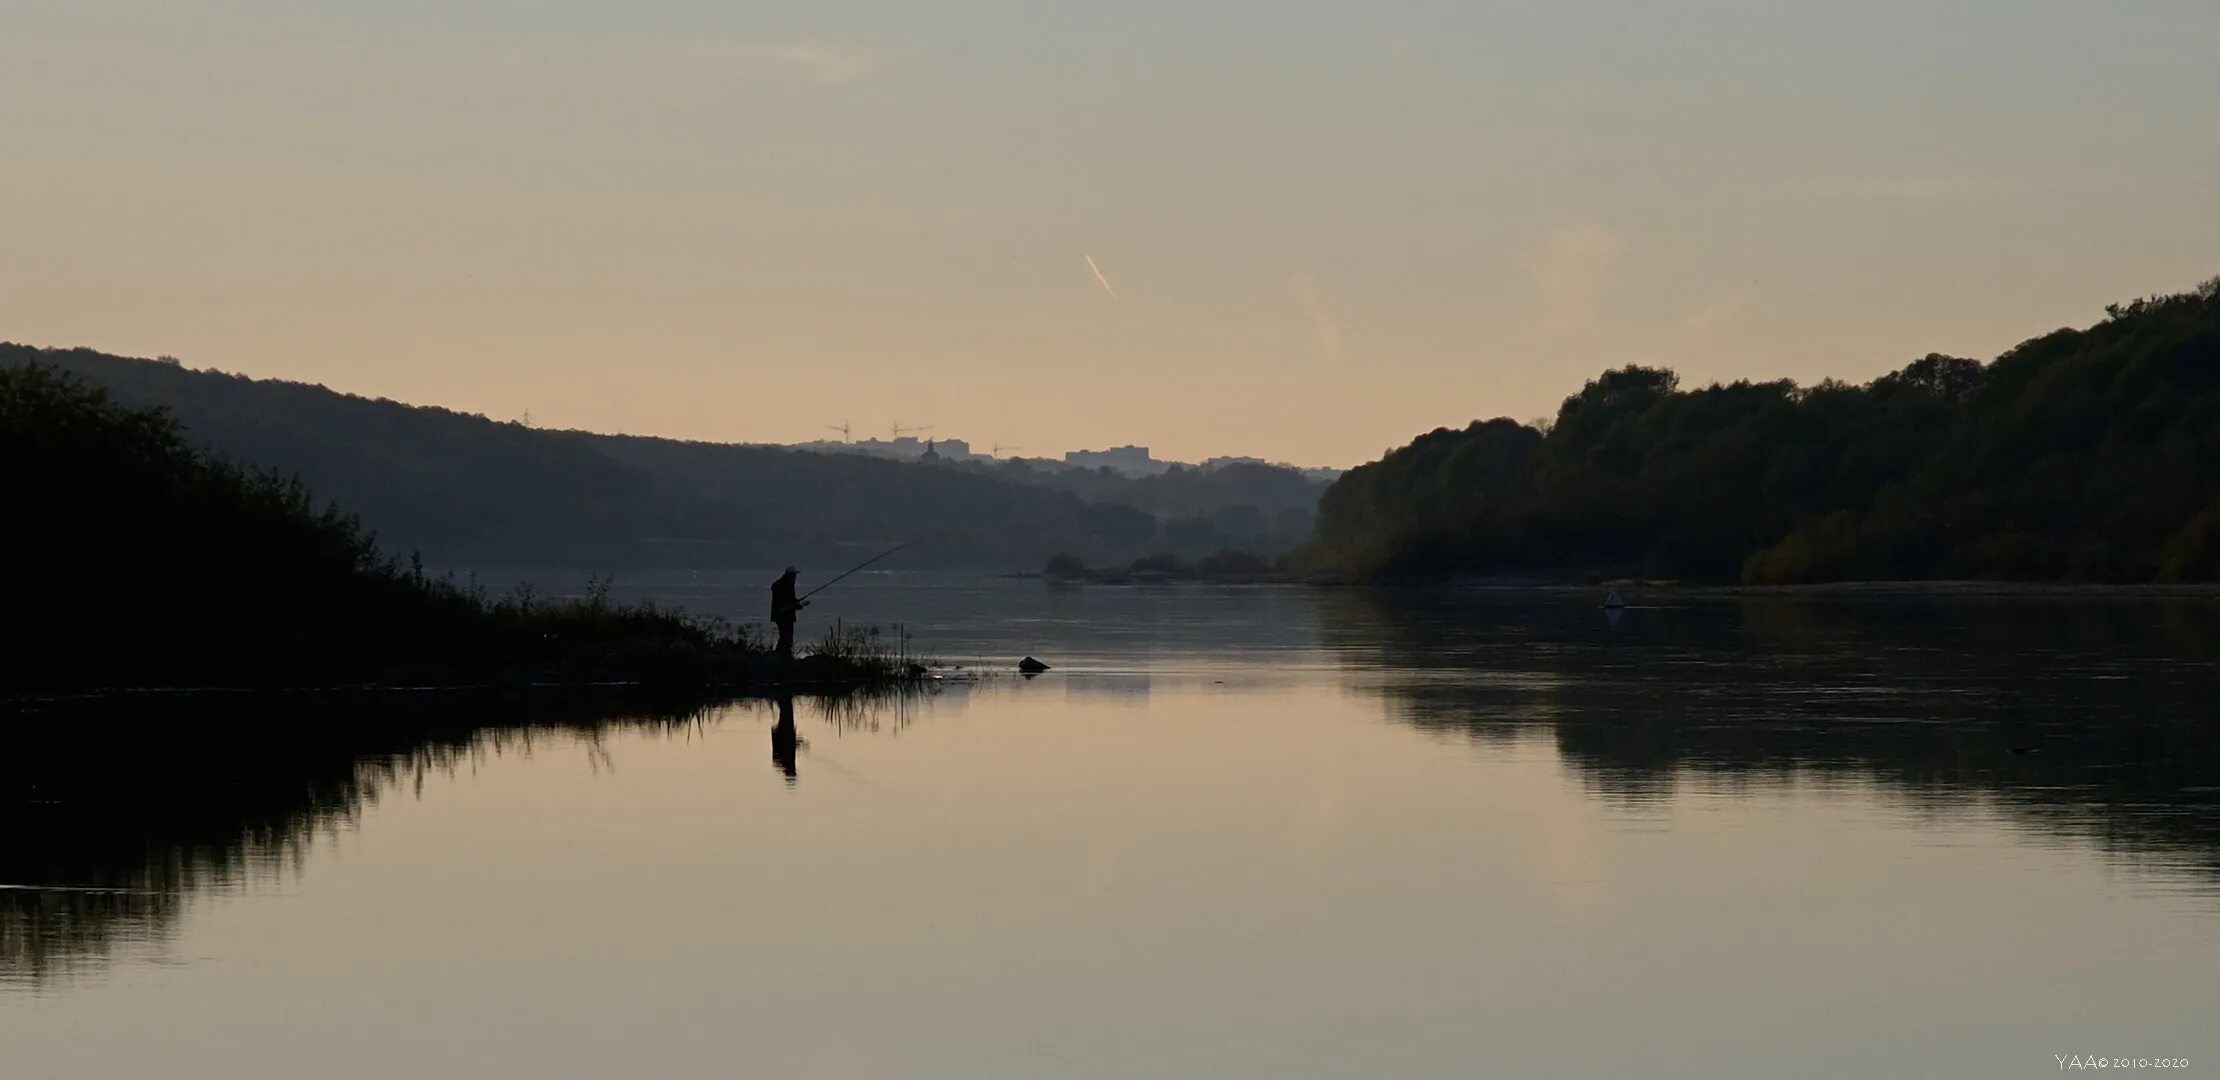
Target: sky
x=1296, y=230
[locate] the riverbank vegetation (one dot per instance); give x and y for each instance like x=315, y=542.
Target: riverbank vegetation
x=141, y=561
x=2080, y=455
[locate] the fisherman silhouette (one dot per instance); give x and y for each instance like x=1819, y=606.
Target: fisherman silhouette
x=784, y=606
x=784, y=740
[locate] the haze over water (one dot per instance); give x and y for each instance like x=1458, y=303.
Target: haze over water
x=1236, y=832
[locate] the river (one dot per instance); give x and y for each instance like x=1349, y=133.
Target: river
x=1235, y=832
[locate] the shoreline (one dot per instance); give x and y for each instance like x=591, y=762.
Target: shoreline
x=1937, y=589
x=1945, y=589
x=670, y=675
x=620, y=694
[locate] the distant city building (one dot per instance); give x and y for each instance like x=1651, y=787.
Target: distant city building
x=901, y=448
x=1130, y=460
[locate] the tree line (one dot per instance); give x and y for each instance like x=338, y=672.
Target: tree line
x=2080, y=455
x=1242, y=506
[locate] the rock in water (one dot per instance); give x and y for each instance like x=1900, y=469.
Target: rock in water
x=1031, y=666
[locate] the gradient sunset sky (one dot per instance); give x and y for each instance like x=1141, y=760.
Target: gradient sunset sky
x=1328, y=226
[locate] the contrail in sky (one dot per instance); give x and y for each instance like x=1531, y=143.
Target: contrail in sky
x=1098, y=276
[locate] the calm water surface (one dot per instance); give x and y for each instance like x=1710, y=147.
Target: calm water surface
x=1236, y=832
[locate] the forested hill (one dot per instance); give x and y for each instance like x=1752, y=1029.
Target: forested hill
x=469, y=491
x=1256, y=507
x=2081, y=455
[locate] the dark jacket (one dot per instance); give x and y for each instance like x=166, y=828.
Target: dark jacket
x=783, y=602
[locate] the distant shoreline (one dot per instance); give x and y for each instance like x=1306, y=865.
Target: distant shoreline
x=1863, y=589
x=1965, y=588
x=1637, y=586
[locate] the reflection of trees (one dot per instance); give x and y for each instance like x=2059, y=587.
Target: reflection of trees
x=2089, y=718
x=136, y=807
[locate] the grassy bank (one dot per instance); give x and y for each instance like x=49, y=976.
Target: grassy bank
x=141, y=562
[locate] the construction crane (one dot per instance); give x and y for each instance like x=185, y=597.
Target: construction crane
x=842, y=428
x=900, y=431
x=1000, y=447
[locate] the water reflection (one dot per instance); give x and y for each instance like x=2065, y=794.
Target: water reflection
x=117, y=813
x=2092, y=720
x=866, y=714
x=1124, y=688
x=785, y=740
x=2089, y=723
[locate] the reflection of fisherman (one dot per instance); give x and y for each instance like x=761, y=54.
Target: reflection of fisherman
x=784, y=739
x=784, y=606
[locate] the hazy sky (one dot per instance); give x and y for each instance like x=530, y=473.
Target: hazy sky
x=1328, y=226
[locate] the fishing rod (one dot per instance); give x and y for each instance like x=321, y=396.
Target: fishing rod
x=853, y=569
